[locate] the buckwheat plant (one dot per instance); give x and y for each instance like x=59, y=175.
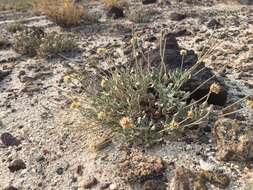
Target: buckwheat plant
x=143, y=104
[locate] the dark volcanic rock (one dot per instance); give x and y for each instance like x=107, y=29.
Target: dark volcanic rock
x=177, y=16
x=10, y=188
x=234, y=140
x=17, y=165
x=9, y=140
x=4, y=74
x=115, y=12
x=213, y=23
x=146, y=2
x=173, y=60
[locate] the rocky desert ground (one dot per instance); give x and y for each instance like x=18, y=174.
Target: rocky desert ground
x=45, y=145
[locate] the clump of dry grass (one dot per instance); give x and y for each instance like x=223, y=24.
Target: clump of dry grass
x=20, y=5
x=34, y=42
x=54, y=44
x=27, y=42
x=65, y=13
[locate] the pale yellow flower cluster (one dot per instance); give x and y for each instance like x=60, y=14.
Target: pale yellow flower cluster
x=250, y=104
x=215, y=88
x=126, y=123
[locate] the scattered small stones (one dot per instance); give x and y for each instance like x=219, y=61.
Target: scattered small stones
x=9, y=140
x=17, y=165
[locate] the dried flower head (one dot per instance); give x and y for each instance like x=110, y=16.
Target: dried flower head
x=67, y=79
x=215, y=88
x=183, y=52
x=102, y=115
x=250, y=104
x=101, y=51
x=190, y=114
x=103, y=83
x=174, y=124
x=75, y=105
x=126, y=123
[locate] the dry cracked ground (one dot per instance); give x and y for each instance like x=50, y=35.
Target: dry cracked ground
x=45, y=145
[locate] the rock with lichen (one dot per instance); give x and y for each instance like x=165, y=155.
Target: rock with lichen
x=234, y=140
x=139, y=167
x=185, y=179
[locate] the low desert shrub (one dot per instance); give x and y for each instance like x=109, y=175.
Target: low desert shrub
x=27, y=41
x=141, y=103
x=53, y=44
x=33, y=42
x=65, y=13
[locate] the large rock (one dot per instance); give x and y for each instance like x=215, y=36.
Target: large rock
x=234, y=140
x=173, y=60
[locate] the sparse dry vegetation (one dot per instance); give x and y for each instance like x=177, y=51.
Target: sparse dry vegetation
x=53, y=44
x=144, y=104
x=27, y=42
x=20, y=5
x=33, y=42
x=65, y=13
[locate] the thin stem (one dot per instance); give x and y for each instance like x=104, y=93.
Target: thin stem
x=230, y=113
x=235, y=102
